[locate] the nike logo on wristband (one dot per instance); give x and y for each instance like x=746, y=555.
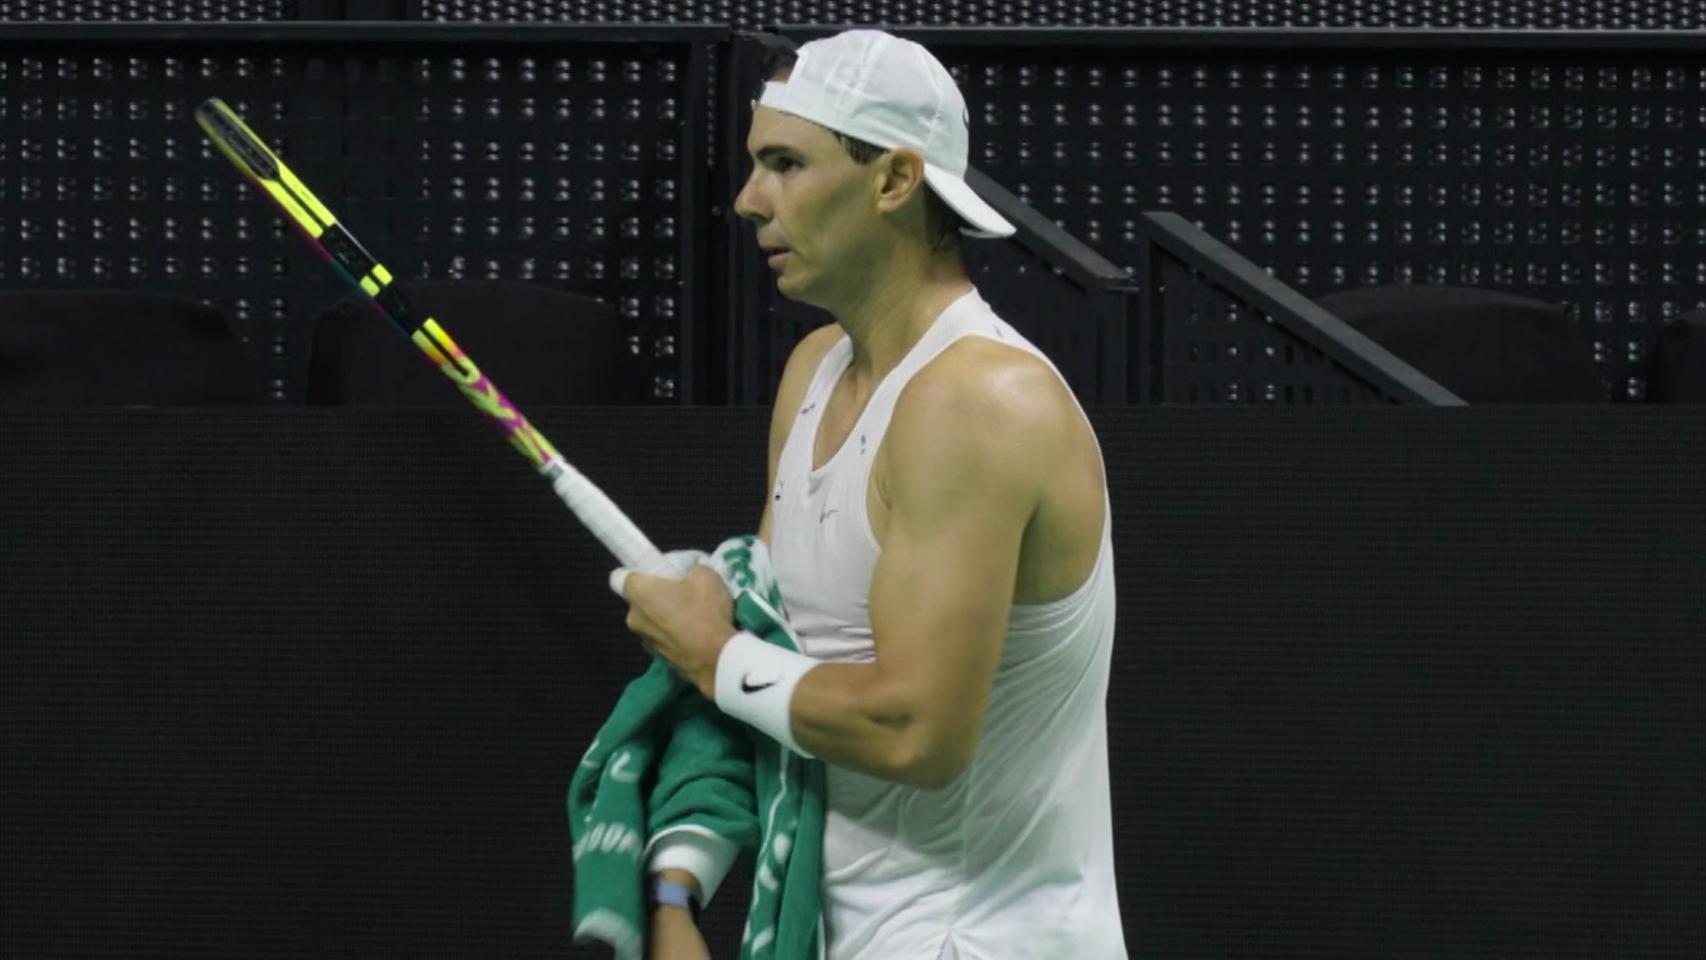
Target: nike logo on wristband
x=747, y=686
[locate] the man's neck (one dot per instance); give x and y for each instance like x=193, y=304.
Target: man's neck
x=902, y=305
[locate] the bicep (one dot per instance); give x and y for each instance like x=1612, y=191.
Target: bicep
x=942, y=590
x=940, y=599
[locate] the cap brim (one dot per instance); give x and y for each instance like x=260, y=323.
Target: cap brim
x=982, y=218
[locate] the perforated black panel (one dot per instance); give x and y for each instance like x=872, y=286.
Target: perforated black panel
x=91, y=10
x=563, y=166
x=1218, y=349
x=1575, y=180
x=1550, y=14
x=1568, y=176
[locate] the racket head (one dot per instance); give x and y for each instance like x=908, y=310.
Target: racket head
x=250, y=154
x=234, y=139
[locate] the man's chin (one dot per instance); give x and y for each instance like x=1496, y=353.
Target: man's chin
x=782, y=288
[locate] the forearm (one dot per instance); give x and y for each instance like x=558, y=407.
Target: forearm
x=851, y=716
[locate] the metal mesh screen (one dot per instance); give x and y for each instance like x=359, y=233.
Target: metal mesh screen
x=562, y=165
x=1568, y=176
x=54, y=10
x=1549, y=15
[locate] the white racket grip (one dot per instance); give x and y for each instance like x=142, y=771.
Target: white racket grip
x=605, y=520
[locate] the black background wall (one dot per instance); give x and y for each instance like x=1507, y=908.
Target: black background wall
x=1389, y=683
x=1549, y=150
x=1395, y=682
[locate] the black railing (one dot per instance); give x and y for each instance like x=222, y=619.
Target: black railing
x=1257, y=340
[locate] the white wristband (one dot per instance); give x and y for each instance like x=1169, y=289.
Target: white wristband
x=706, y=855
x=755, y=684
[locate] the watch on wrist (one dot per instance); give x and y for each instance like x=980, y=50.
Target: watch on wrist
x=667, y=893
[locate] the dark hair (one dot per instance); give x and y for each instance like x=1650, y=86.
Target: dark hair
x=941, y=224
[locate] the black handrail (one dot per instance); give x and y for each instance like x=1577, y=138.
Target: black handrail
x=1290, y=310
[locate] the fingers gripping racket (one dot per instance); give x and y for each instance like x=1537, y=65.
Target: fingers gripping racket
x=600, y=515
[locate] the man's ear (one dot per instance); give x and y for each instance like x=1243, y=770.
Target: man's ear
x=902, y=177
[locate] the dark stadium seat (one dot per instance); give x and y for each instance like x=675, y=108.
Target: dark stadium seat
x=118, y=348
x=1679, y=361
x=538, y=344
x=1484, y=346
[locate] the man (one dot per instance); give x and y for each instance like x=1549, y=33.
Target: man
x=939, y=528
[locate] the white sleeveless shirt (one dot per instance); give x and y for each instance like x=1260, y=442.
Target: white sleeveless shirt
x=1014, y=859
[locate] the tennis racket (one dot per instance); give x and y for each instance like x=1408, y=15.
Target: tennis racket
x=325, y=234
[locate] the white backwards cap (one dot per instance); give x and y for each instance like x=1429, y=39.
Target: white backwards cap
x=890, y=93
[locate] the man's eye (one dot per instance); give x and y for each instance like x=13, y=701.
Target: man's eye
x=783, y=163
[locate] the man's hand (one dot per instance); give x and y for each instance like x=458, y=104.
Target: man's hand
x=687, y=622
x=674, y=936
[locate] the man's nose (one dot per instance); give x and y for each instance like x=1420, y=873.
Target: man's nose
x=746, y=203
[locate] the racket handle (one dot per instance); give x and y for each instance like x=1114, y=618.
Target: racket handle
x=605, y=520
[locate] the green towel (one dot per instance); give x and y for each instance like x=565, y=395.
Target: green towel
x=666, y=757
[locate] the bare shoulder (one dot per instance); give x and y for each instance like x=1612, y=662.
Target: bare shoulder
x=989, y=386
x=988, y=403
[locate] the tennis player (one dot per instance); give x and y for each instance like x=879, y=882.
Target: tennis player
x=938, y=521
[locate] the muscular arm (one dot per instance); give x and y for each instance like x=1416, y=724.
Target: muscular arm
x=966, y=449
x=962, y=469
